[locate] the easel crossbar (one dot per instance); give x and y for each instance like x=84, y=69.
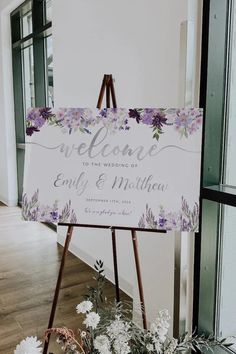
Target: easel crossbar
x=114, y=227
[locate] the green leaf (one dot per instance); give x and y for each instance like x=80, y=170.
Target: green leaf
x=228, y=345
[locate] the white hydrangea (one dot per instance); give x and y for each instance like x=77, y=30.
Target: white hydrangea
x=162, y=332
x=161, y=325
x=84, y=306
x=118, y=328
x=92, y=320
x=158, y=347
x=153, y=328
x=118, y=332
x=172, y=346
x=150, y=347
x=102, y=344
x=121, y=347
x=30, y=345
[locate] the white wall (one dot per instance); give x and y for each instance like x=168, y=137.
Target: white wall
x=8, y=174
x=139, y=43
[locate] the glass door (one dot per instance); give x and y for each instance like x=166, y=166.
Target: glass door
x=32, y=67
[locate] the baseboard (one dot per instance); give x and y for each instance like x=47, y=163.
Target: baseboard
x=88, y=259
x=8, y=202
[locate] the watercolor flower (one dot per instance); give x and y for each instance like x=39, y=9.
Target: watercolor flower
x=36, y=118
x=185, y=121
x=147, y=116
x=185, y=219
x=135, y=113
x=33, y=210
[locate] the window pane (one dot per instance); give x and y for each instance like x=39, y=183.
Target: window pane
x=49, y=71
x=48, y=10
x=227, y=311
x=26, y=19
x=28, y=77
x=32, y=66
x=231, y=146
x=20, y=173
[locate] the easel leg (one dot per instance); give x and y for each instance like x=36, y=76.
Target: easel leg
x=113, y=232
x=102, y=91
x=108, y=95
x=58, y=286
x=177, y=271
x=140, y=283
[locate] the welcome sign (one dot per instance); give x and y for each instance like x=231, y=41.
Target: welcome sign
x=136, y=168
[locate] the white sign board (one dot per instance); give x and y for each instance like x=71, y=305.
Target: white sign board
x=137, y=168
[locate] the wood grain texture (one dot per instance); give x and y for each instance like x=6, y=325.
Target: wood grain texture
x=29, y=263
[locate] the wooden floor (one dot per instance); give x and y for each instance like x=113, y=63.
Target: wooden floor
x=29, y=262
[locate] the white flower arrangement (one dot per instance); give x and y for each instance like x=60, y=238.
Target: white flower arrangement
x=110, y=330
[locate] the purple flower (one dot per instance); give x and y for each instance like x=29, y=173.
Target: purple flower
x=185, y=219
x=162, y=221
x=133, y=113
x=188, y=121
x=185, y=225
x=159, y=120
x=33, y=114
x=45, y=112
x=39, y=121
x=32, y=210
x=147, y=118
x=183, y=121
x=54, y=215
x=31, y=130
x=103, y=112
x=36, y=118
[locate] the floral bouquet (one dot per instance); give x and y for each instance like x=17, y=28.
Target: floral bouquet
x=109, y=329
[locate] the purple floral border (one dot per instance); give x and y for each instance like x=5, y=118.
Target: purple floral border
x=184, y=220
x=32, y=210
x=185, y=121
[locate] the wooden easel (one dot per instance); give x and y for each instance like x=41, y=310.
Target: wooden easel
x=108, y=86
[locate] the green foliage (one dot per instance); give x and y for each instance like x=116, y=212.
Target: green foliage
x=95, y=294
x=200, y=342
x=120, y=316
